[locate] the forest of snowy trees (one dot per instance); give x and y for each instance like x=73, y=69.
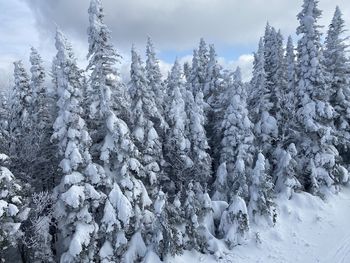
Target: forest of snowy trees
x=97, y=170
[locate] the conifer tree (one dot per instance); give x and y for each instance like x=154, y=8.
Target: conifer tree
x=105, y=91
x=261, y=193
x=12, y=204
x=145, y=135
x=237, y=147
x=338, y=70
x=315, y=113
x=77, y=196
x=43, y=166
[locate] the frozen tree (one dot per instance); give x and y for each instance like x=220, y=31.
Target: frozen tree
x=4, y=112
x=234, y=224
x=44, y=161
x=198, y=139
x=154, y=80
x=105, y=91
x=261, y=105
x=261, y=193
x=315, y=113
x=126, y=206
x=286, y=170
x=143, y=111
x=237, y=147
x=37, y=229
x=288, y=94
x=338, y=69
x=197, y=79
x=77, y=196
x=273, y=66
x=19, y=118
x=11, y=208
x=177, y=146
x=216, y=97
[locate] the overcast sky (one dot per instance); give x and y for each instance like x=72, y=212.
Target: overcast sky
x=234, y=26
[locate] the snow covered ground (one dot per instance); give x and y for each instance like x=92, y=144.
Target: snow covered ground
x=308, y=231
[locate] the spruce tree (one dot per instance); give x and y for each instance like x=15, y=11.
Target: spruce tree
x=77, y=196
x=105, y=91
x=315, y=113
x=338, y=69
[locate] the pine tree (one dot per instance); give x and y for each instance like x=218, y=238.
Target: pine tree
x=261, y=193
x=45, y=161
x=234, y=223
x=338, y=70
x=315, y=114
x=288, y=95
x=145, y=135
x=77, y=196
x=19, y=117
x=12, y=204
x=105, y=91
x=198, y=139
x=178, y=145
x=261, y=105
x=4, y=116
x=237, y=147
x=197, y=79
x=154, y=81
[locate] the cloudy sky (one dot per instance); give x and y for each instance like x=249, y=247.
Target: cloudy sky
x=175, y=26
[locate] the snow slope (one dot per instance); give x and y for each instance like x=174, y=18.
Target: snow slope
x=308, y=230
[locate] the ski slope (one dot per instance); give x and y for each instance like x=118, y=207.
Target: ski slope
x=308, y=230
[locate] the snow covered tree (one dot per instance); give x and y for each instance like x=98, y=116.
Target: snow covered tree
x=11, y=207
x=261, y=193
x=19, y=119
x=77, y=196
x=315, y=113
x=286, y=170
x=198, y=139
x=216, y=96
x=234, y=224
x=44, y=161
x=154, y=80
x=105, y=91
x=288, y=95
x=177, y=145
x=197, y=79
x=273, y=66
x=237, y=147
x=261, y=105
x=143, y=111
x=338, y=69
x=4, y=112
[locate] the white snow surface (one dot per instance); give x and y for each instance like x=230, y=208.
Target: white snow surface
x=308, y=230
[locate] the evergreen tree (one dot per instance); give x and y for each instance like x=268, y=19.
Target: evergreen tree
x=105, y=91
x=237, y=147
x=19, y=117
x=338, y=70
x=77, y=196
x=197, y=79
x=261, y=106
x=177, y=146
x=261, y=192
x=44, y=162
x=12, y=204
x=145, y=135
x=315, y=114
x=198, y=139
x=154, y=81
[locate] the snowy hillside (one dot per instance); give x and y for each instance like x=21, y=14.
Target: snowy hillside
x=308, y=230
x=107, y=171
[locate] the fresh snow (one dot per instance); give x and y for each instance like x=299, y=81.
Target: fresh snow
x=307, y=230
